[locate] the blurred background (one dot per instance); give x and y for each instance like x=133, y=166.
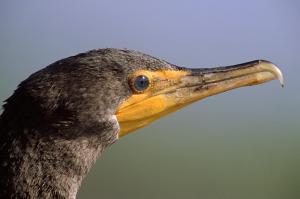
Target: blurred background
x=240, y=144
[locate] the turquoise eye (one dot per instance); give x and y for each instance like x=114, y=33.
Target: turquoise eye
x=141, y=83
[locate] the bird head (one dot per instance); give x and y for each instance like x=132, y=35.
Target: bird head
x=62, y=117
x=127, y=88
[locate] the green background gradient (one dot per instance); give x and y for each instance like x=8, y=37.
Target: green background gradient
x=240, y=144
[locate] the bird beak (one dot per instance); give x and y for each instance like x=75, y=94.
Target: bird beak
x=201, y=83
x=187, y=86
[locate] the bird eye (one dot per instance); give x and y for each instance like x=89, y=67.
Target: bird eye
x=141, y=83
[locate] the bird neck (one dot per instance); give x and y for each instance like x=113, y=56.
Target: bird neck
x=35, y=166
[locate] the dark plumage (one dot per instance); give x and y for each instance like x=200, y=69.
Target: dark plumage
x=60, y=119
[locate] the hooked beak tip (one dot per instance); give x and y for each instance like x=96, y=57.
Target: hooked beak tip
x=273, y=69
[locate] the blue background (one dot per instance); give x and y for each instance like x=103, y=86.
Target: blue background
x=240, y=144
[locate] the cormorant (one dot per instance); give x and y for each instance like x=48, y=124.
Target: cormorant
x=61, y=118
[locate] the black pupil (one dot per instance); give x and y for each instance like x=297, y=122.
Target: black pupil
x=141, y=83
